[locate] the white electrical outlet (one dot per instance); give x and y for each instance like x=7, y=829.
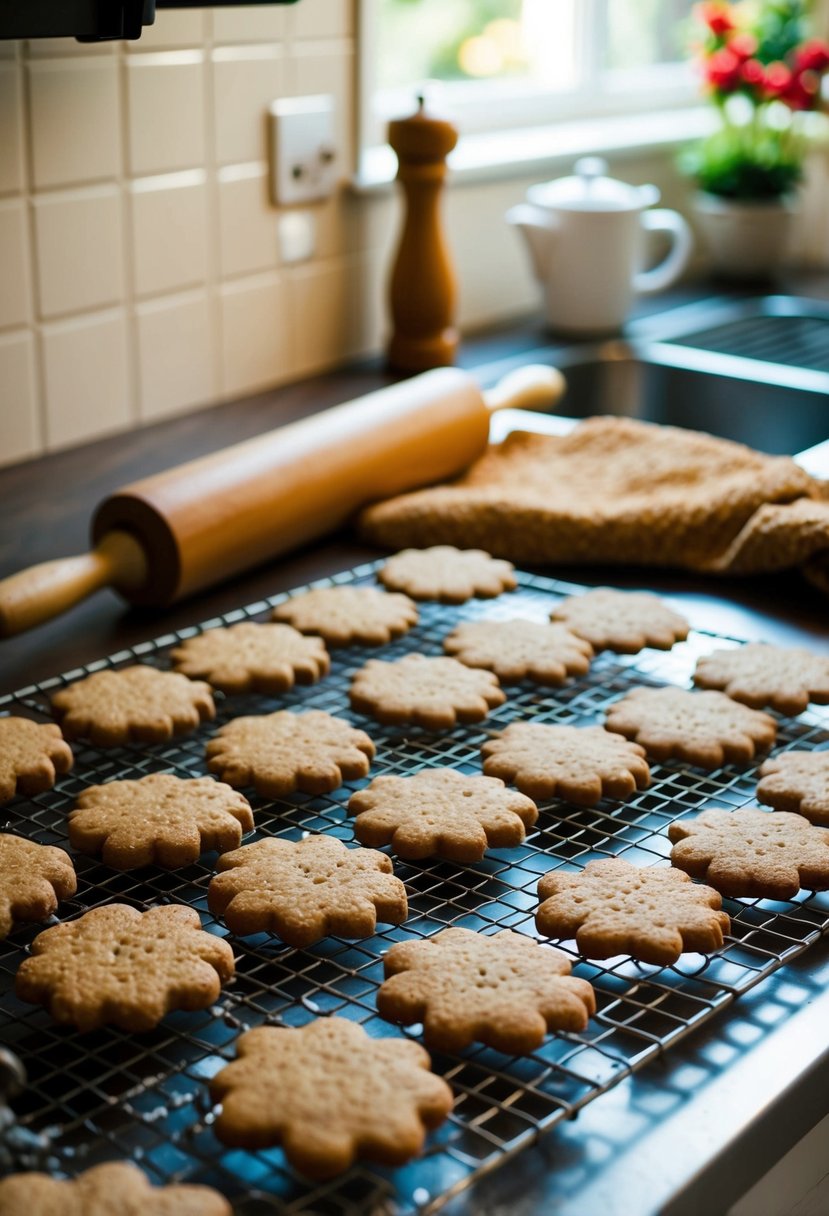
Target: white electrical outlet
x=302, y=147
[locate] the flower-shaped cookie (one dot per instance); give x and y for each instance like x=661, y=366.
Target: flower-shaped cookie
x=159, y=818
x=343, y=615
x=31, y=756
x=117, y=966
x=432, y=693
x=783, y=678
x=580, y=763
x=286, y=751
x=138, y=704
x=306, y=890
x=329, y=1094
x=506, y=991
x=447, y=574
x=441, y=813
x=249, y=657
x=115, y=1189
x=520, y=650
x=753, y=853
x=33, y=878
x=797, y=782
x=612, y=907
x=704, y=728
x=623, y=621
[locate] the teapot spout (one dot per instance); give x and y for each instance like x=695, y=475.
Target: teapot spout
x=537, y=225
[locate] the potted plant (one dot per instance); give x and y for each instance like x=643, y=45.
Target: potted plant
x=762, y=71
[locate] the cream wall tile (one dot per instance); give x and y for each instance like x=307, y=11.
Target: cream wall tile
x=172, y=28
x=79, y=253
x=14, y=264
x=245, y=81
x=329, y=69
x=175, y=368
x=257, y=328
x=322, y=19
x=9, y=49
x=86, y=376
x=38, y=47
x=169, y=232
x=75, y=120
x=334, y=309
x=249, y=23
x=247, y=224
x=11, y=129
x=166, y=111
x=19, y=422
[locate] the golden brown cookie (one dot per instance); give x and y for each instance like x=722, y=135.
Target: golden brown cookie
x=115, y=1189
x=250, y=657
x=649, y=912
x=159, y=819
x=345, y=615
x=506, y=991
x=306, y=890
x=752, y=853
x=31, y=756
x=797, y=782
x=703, y=728
x=623, y=621
x=520, y=650
x=432, y=693
x=33, y=879
x=117, y=966
x=580, y=763
x=134, y=704
x=447, y=574
x=286, y=751
x=329, y=1094
x=783, y=678
x=440, y=812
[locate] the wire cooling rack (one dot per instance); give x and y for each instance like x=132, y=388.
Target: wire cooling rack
x=112, y=1095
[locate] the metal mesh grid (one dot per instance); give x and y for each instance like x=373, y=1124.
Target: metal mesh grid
x=113, y=1095
x=798, y=341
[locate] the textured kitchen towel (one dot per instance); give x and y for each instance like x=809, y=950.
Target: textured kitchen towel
x=615, y=490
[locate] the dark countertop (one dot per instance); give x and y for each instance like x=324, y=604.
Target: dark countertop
x=683, y=1132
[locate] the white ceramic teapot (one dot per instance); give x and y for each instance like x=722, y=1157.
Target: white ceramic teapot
x=585, y=236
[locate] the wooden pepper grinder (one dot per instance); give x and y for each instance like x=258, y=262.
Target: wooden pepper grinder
x=423, y=288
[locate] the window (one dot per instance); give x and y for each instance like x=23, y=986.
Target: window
x=499, y=65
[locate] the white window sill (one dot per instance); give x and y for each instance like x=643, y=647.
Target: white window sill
x=504, y=154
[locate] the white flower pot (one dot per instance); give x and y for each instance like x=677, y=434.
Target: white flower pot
x=745, y=240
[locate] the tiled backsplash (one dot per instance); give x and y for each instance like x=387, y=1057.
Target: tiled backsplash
x=140, y=269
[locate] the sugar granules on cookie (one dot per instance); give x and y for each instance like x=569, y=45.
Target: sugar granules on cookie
x=433, y=693
x=32, y=754
x=520, y=650
x=134, y=704
x=252, y=657
x=33, y=879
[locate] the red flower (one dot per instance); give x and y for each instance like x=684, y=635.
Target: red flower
x=803, y=91
x=722, y=70
x=753, y=74
x=778, y=79
x=743, y=45
x=716, y=16
x=813, y=56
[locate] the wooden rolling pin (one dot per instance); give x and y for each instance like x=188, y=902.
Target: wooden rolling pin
x=176, y=532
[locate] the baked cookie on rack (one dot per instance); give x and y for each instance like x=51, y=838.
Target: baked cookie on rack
x=329, y=1094
x=785, y=678
x=441, y=813
x=133, y=704
x=433, y=693
x=611, y=907
x=582, y=764
x=33, y=880
x=797, y=782
x=346, y=615
x=623, y=621
x=32, y=754
x=285, y=751
x=520, y=650
x=506, y=991
x=306, y=890
x=118, y=1188
x=448, y=574
x=252, y=657
x=160, y=819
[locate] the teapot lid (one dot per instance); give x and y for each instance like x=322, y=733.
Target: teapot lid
x=590, y=189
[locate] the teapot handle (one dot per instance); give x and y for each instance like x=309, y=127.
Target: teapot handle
x=682, y=243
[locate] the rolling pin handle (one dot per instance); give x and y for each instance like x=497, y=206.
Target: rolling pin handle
x=45, y=591
x=537, y=386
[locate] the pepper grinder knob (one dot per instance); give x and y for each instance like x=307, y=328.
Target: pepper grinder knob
x=423, y=288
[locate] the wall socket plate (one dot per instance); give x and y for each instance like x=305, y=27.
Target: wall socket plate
x=302, y=149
